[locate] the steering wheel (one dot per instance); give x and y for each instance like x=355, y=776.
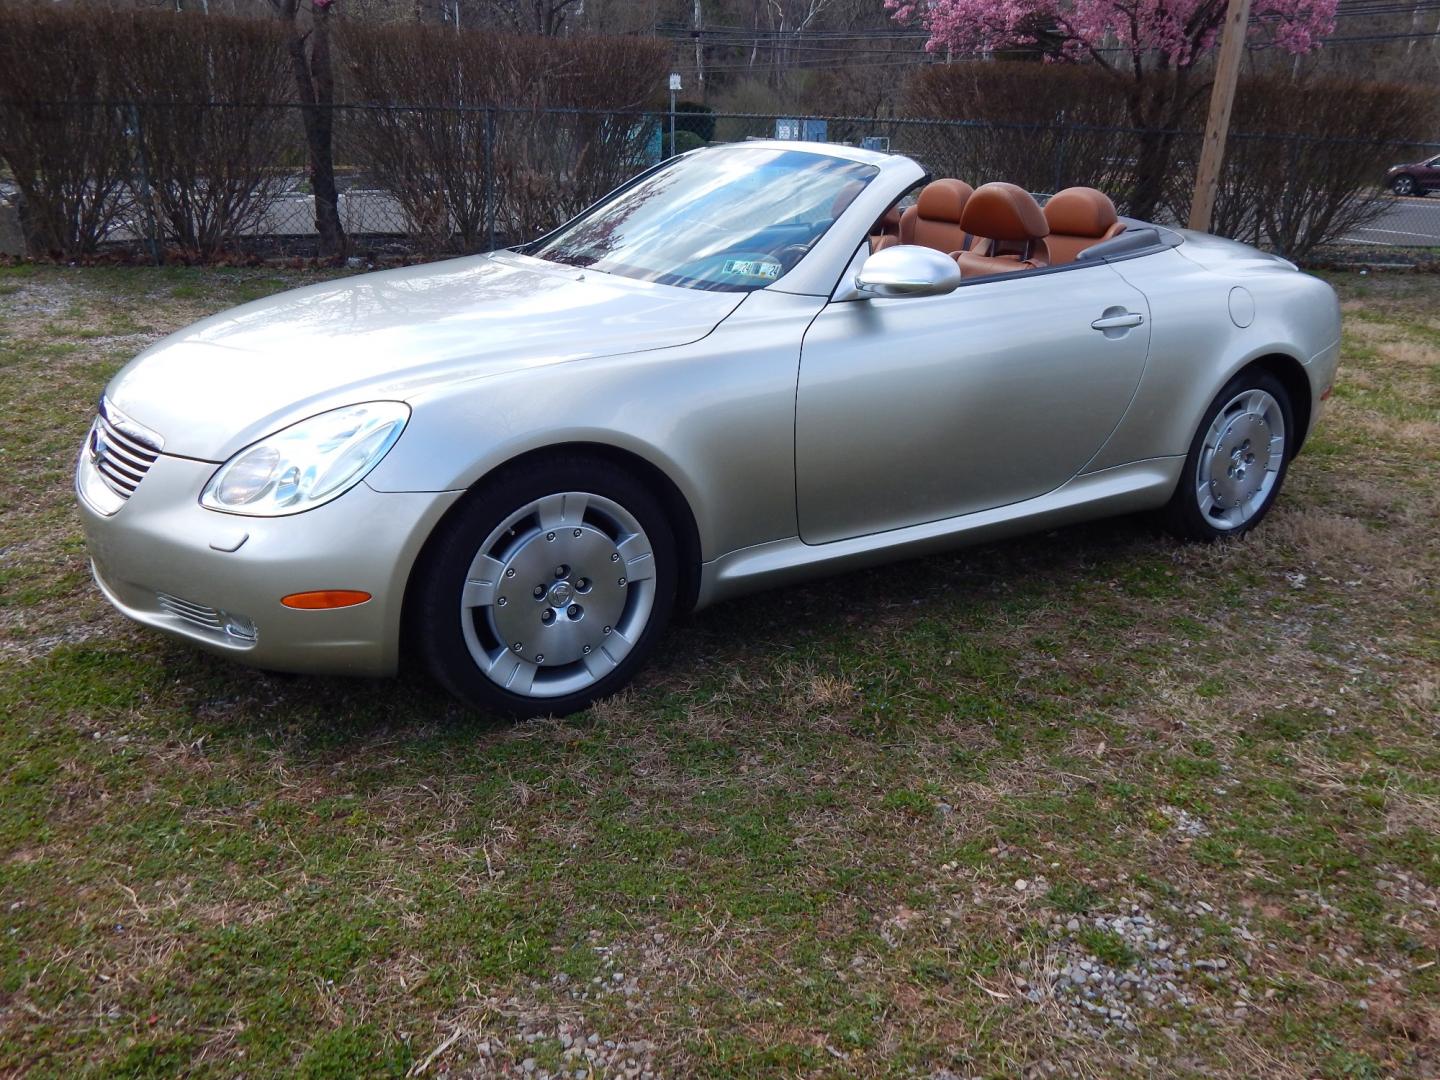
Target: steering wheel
x=787, y=257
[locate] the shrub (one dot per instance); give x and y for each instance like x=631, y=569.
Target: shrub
x=685, y=141
x=135, y=131
x=431, y=155
x=69, y=155
x=697, y=118
x=472, y=124
x=1301, y=165
x=1304, y=160
x=213, y=170
x=1042, y=126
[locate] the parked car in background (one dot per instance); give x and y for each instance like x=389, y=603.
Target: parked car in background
x=728, y=375
x=1415, y=178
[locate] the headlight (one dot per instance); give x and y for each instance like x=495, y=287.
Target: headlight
x=308, y=463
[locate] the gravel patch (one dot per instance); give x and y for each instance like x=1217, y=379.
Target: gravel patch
x=1109, y=971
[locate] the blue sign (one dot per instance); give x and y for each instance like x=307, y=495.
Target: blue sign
x=800, y=129
x=814, y=130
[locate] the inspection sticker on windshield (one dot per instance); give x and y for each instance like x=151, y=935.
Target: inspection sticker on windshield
x=752, y=268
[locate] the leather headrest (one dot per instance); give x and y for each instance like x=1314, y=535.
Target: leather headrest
x=1004, y=212
x=944, y=200
x=844, y=197
x=1080, y=211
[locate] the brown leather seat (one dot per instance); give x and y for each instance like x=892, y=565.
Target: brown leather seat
x=1009, y=230
x=934, y=220
x=885, y=232
x=1079, y=217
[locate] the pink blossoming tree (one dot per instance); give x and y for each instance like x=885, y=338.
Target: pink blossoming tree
x=1152, y=47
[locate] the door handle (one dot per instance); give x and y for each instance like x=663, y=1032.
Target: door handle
x=1118, y=322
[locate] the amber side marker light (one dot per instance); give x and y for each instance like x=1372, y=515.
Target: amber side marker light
x=325, y=598
x=1326, y=395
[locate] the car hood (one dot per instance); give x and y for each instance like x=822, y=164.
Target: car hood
x=224, y=382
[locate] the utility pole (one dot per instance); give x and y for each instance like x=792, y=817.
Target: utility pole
x=1217, y=123
x=695, y=27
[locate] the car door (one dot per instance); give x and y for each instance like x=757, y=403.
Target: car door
x=915, y=409
x=1430, y=174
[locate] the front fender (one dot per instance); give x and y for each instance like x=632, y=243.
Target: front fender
x=716, y=416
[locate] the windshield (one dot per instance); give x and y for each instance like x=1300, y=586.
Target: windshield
x=730, y=220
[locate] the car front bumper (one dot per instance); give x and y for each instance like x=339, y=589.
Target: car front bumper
x=167, y=562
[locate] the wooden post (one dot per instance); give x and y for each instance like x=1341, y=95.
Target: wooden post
x=1217, y=124
x=695, y=30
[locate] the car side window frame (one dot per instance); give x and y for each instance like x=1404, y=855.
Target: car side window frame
x=853, y=264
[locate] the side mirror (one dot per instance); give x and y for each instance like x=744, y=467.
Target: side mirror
x=907, y=270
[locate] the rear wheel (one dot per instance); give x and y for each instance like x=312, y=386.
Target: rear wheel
x=547, y=589
x=1404, y=185
x=1237, y=460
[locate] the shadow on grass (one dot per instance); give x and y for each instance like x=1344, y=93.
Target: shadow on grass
x=825, y=623
x=821, y=617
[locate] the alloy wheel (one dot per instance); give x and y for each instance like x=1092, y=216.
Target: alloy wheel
x=558, y=594
x=1242, y=455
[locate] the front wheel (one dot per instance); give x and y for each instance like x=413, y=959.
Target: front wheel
x=546, y=589
x=1237, y=460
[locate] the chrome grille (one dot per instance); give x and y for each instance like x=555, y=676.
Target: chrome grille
x=200, y=615
x=120, y=452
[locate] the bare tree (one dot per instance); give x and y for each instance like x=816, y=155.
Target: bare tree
x=311, y=63
x=545, y=17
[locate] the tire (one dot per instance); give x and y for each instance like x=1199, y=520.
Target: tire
x=1237, y=461
x=1405, y=185
x=546, y=589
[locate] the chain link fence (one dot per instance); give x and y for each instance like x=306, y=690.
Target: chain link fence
x=207, y=180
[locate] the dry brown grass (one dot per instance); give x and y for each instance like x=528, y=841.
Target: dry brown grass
x=797, y=838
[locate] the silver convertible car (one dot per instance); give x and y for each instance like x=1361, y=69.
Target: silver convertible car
x=750, y=365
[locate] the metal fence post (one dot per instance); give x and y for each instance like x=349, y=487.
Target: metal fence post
x=1060, y=148
x=490, y=178
x=147, y=194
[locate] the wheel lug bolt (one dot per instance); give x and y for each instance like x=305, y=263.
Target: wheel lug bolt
x=539, y=593
x=549, y=536
x=547, y=616
x=573, y=611
x=561, y=570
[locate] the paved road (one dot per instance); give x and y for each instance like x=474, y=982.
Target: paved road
x=1413, y=222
